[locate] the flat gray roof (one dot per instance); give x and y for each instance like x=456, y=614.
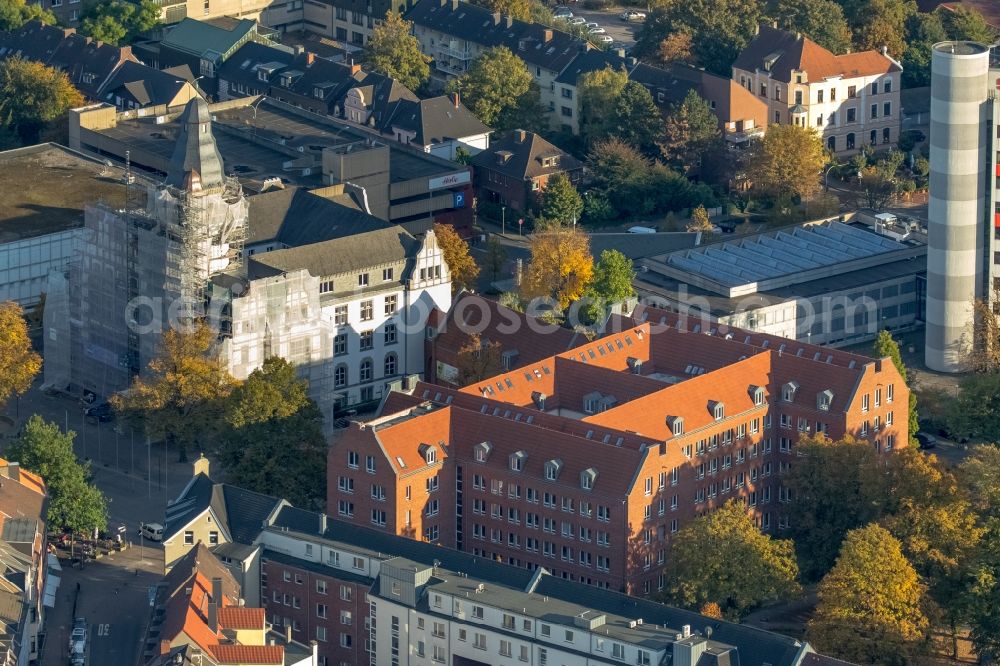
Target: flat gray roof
x=46, y=188
x=782, y=253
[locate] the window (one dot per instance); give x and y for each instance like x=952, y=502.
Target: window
x=387, y=275
x=367, y=340
x=346, y=593
x=552, y=469
x=390, y=365
x=718, y=411
x=852, y=115
x=340, y=315
x=390, y=305
x=378, y=517
x=677, y=425
x=363, y=279
x=188, y=537
x=320, y=586
x=874, y=87
x=321, y=611
x=886, y=109
x=326, y=286
x=852, y=91
x=346, y=639
x=366, y=370
x=798, y=96
x=340, y=344
x=819, y=96
x=370, y=464
x=345, y=508
x=886, y=135
x=340, y=376
x=850, y=139
x=367, y=310
x=864, y=403
x=887, y=86
x=874, y=111
x=889, y=390
x=390, y=334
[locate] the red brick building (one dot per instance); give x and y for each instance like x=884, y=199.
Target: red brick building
x=586, y=462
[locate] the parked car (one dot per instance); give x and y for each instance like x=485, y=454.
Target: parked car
x=101, y=413
x=927, y=440
x=604, y=39
x=578, y=20
x=592, y=24
x=562, y=14
x=597, y=30
x=151, y=531
x=632, y=15
x=78, y=637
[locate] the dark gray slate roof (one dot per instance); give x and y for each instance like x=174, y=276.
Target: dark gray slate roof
x=241, y=67
x=590, y=61
x=295, y=217
x=195, y=151
x=339, y=255
x=673, y=82
x=19, y=530
x=142, y=84
x=241, y=512
x=756, y=646
x=435, y=120
x=526, y=156
x=532, y=42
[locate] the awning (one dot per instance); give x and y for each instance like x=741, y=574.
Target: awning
x=49, y=593
x=53, y=562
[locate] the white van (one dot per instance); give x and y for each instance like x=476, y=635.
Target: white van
x=151, y=531
x=641, y=230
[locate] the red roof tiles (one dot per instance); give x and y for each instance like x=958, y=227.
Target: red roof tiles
x=241, y=617
x=248, y=655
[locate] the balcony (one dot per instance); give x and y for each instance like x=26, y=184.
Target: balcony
x=450, y=68
x=456, y=53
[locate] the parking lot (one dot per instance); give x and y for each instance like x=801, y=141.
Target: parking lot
x=623, y=33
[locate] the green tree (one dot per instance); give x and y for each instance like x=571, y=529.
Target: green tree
x=598, y=92
x=612, y=283
x=520, y=10
x=637, y=118
x=463, y=156
x=560, y=201
x=788, y=162
x=74, y=504
x=461, y=265
x=15, y=13
x=500, y=90
x=394, y=51
x=962, y=22
x=496, y=256
x=182, y=397
x=821, y=20
x=886, y=347
x=274, y=443
x=120, y=21
x=32, y=96
x=922, y=32
x=699, y=221
x=878, y=23
x=700, y=564
x=869, y=609
x=719, y=29
x=975, y=412
x=836, y=487
x=18, y=361
x=689, y=130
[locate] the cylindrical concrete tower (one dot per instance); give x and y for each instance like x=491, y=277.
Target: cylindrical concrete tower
x=958, y=195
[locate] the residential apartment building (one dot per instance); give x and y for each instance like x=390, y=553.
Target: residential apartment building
x=586, y=462
x=851, y=100
x=27, y=587
x=369, y=101
x=455, y=33
x=514, y=170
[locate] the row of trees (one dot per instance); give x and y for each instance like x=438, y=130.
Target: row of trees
x=711, y=33
x=266, y=431
x=898, y=544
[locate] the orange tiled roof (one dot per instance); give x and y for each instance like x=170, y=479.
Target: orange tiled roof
x=241, y=617
x=248, y=654
x=401, y=440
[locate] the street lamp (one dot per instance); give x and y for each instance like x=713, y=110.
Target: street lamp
x=826, y=176
x=503, y=220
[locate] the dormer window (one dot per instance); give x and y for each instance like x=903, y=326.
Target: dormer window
x=824, y=399
x=539, y=399
x=757, y=393
x=429, y=453
x=676, y=424
x=718, y=410
x=587, y=478
x=482, y=451
x=517, y=461
x=552, y=469
x=788, y=391
x=591, y=402
x=262, y=74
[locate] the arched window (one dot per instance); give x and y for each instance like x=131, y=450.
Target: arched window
x=366, y=370
x=850, y=141
x=873, y=137
x=340, y=376
x=390, y=365
x=831, y=143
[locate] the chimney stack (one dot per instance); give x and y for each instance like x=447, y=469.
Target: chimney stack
x=355, y=68
x=548, y=35
x=12, y=471
x=520, y=135
x=322, y=524
x=200, y=466
x=455, y=99
x=217, y=590
x=213, y=617
x=310, y=58
x=288, y=632
x=496, y=18
x=885, y=50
